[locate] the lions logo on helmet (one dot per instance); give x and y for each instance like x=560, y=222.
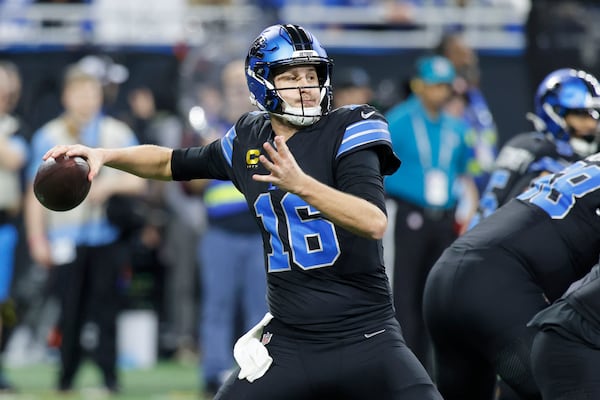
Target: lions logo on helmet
x=287, y=46
x=562, y=91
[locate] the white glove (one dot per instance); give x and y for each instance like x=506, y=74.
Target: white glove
x=251, y=355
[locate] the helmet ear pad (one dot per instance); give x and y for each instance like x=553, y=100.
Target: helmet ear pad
x=263, y=93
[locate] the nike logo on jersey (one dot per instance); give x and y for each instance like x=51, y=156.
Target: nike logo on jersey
x=370, y=335
x=366, y=115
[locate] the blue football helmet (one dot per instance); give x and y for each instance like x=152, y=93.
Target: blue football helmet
x=563, y=91
x=286, y=46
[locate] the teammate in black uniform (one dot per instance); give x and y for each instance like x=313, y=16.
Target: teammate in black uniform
x=566, y=350
x=565, y=109
x=313, y=179
x=491, y=281
x=566, y=105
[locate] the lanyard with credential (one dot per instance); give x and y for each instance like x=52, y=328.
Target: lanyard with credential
x=436, y=178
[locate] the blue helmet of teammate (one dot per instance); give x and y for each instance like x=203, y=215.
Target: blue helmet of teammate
x=286, y=46
x=563, y=91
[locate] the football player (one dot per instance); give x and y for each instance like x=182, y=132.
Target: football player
x=566, y=350
x=491, y=281
x=567, y=104
x=313, y=179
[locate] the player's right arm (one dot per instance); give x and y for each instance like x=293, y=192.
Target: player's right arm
x=146, y=161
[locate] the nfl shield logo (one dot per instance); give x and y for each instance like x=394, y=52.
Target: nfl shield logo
x=266, y=338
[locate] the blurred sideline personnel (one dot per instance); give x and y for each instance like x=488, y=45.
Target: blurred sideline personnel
x=81, y=245
x=567, y=105
x=230, y=250
x=469, y=103
x=169, y=234
x=313, y=179
x=566, y=350
x=13, y=156
x=163, y=241
x=111, y=75
x=435, y=151
x=492, y=280
x=352, y=86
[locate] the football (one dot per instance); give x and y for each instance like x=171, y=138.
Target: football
x=61, y=184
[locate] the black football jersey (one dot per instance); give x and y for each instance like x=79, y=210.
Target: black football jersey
x=577, y=313
x=553, y=228
x=321, y=278
x=521, y=160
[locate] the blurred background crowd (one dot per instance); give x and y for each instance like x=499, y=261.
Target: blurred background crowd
x=164, y=69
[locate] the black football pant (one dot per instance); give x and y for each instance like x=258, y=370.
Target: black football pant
x=379, y=366
x=88, y=292
x=477, y=305
x=565, y=369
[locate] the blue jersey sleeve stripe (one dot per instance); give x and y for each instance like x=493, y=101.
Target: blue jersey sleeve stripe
x=364, y=125
x=227, y=145
x=364, y=133
x=362, y=139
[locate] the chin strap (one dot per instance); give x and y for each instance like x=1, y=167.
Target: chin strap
x=301, y=116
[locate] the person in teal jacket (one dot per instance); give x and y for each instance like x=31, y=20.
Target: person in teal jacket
x=437, y=155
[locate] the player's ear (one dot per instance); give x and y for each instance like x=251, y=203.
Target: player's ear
x=416, y=85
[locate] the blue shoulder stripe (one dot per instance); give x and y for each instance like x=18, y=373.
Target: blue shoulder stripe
x=364, y=132
x=227, y=144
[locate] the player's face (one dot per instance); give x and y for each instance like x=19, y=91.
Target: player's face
x=299, y=86
x=582, y=123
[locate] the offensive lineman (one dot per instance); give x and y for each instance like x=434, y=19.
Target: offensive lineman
x=566, y=350
x=566, y=106
x=491, y=281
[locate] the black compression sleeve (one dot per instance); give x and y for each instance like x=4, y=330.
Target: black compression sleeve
x=203, y=162
x=359, y=174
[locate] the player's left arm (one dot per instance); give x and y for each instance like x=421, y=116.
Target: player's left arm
x=351, y=212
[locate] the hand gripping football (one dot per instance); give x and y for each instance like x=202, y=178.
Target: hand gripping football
x=61, y=184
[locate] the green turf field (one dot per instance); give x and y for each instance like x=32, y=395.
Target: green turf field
x=167, y=381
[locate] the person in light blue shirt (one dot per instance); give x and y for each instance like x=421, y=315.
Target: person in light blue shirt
x=81, y=247
x=436, y=152
x=13, y=156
